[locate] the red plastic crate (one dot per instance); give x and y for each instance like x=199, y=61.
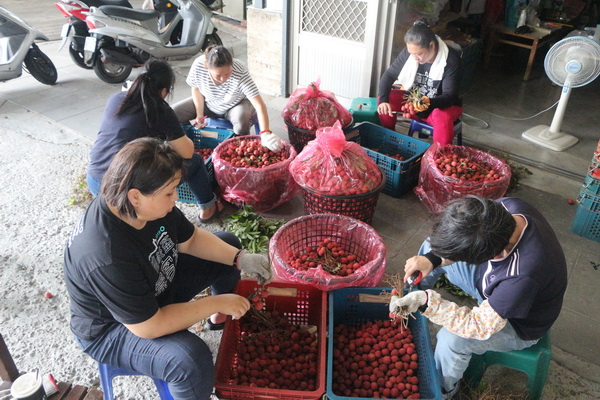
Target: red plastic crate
x=303, y=305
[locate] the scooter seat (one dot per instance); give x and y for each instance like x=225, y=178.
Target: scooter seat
x=98, y=3
x=138, y=15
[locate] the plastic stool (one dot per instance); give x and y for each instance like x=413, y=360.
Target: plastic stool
x=108, y=372
x=364, y=109
x=425, y=131
x=222, y=123
x=533, y=361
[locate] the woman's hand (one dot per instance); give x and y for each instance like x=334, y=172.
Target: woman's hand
x=233, y=304
x=385, y=108
x=270, y=140
x=417, y=263
x=200, y=122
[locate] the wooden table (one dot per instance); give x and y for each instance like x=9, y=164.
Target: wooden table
x=500, y=33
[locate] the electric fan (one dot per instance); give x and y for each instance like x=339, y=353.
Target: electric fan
x=570, y=63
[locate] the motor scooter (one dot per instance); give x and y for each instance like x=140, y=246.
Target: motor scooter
x=73, y=10
x=122, y=38
x=18, y=50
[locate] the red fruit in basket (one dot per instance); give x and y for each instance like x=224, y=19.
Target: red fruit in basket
x=259, y=305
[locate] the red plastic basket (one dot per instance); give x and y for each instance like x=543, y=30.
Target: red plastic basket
x=303, y=305
x=354, y=236
x=262, y=188
x=359, y=206
x=300, y=137
x=435, y=189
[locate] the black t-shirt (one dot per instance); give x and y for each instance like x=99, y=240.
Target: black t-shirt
x=118, y=130
x=442, y=93
x=528, y=285
x=118, y=274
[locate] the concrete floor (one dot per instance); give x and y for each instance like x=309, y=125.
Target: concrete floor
x=498, y=97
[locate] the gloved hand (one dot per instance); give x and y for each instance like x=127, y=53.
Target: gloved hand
x=200, y=122
x=271, y=141
x=255, y=264
x=411, y=301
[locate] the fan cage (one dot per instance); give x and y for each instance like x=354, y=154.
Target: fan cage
x=558, y=56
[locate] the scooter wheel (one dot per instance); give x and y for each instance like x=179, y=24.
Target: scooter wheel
x=40, y=66
x=111, y=73
x=77, y=57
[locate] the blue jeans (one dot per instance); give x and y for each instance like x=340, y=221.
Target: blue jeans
x=195, y=175
x=452, y=352
x=182, y=359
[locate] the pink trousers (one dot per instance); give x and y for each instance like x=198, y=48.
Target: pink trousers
x=441, y=119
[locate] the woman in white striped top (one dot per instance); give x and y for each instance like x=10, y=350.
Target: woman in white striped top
x=223, y=88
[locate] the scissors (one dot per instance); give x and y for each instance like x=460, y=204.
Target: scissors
x=414, y=280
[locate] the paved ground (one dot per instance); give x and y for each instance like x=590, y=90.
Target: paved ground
x=77, y=100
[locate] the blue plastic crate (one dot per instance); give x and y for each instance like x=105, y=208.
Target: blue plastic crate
x=345, y=306
x=378, y=141
x=591, y=184
x=587, y=219
x=211, y=139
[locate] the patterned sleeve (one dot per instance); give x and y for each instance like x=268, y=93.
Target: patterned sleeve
x=479, y=323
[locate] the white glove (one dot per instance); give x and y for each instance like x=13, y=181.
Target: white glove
x=255, y=264
x=411, y=301
x=271, y=141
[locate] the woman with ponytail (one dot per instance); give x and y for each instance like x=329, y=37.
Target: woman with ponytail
x=142, y=111
x=435, y=68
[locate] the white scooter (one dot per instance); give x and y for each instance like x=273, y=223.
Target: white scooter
x=122, y=38
x=18, y=50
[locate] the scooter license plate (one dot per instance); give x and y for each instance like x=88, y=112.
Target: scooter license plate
x=66, y=28
x=64, y=33
x=90, y=44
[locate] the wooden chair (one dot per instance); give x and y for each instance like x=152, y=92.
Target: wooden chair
x=67, y=391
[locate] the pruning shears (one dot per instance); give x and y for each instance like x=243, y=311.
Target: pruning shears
x=414, y=280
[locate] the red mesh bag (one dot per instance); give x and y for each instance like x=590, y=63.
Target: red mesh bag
x=333, y=166
x=262, y=188
x=354, y=236
x=435, y=189
x=312, y=108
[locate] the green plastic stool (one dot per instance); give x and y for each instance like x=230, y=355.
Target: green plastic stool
x=364, y=109
x=533, y=361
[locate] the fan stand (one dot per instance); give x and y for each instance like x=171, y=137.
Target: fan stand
x=551, y=136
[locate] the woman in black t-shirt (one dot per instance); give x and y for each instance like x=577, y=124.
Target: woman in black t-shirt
x=143, y=111
x=134, y=262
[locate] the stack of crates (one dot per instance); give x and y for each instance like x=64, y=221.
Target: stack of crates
x=587, y=219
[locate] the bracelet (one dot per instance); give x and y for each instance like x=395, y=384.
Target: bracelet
x=433, y=259
x=235, y=259
x=423, y=307
x=265, y=131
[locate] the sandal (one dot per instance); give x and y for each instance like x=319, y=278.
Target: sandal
x=219, y=207
x=211, y=326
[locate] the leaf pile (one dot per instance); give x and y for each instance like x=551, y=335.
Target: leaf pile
x=444, y=283
x=253, y=230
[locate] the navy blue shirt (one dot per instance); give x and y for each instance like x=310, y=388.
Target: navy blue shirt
x=118, y=130
x=528, y=285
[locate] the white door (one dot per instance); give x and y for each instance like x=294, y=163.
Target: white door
x=341, y=42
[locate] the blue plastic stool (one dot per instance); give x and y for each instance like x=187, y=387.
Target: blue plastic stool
x=425, y=130
x=533, y=361
x=108, y=372
x=222, y=123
